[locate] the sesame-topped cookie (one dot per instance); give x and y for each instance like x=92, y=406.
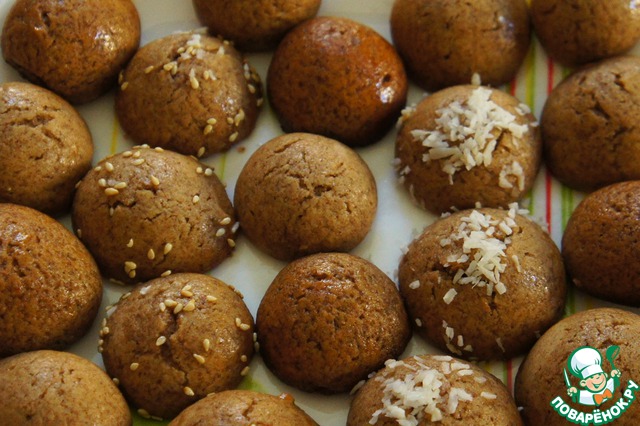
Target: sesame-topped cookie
x=176, y=339
x=484, y=283
x=189, y=92
x=433, y=389
x=468, y=144
x=149, y=212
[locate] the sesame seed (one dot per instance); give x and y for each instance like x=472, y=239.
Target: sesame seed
x=155, y=181
x=161, y=341
x=191, y=306
x=134, y=366
x=129, y=266
x=124, y=86
x=120, y=77
x=201, y=151
x=212, y=298
x=225, y=221
x=188, y=391
x=233, y=137
x=181, y=49
x=79, y=232
x=120, y=185
x=111, y=211
x=126, y=295
x=208, y=171
x=238, y=322
x=170, y=303
x=235, y=227
x=97, y=168
x=195, y=84
x=259, y=102
x=158, y=149
x=199, y=170
x=252, y=88
x=239, y=117
x=220, y=51
x=108, y=166
x=132, y=274
x=163, y=307
x=144, y=413
x=167, y=248
x=245, y=371
x=148, y=69
x=116, y=381
x=151, y=254
x=138, y=162
x=169, y=66
x=137, y=153
x=127, y=154
x=231, y=242
x=212, y=121
x=220, y=232
x=102, y=182
x=196, y=199
x=130, y=243
x=199, y=358
x=111, y=191
x=100, y=349
x=166, y=273
x=229, y=120
x=186, y=291
x=207, y=129
x=179, y=307
x=206, y=344
x=256, y=347
x=243, y=358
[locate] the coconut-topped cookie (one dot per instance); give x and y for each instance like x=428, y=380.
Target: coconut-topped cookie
x=483, y=283
x=468, y=144
x=426, y=389
x=189, y=92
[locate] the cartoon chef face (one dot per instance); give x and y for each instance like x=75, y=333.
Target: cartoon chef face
x=595, y=383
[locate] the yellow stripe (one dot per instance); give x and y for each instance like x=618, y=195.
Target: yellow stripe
x=114, y=136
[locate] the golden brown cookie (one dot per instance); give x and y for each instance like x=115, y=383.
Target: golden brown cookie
x=337, y=78
x=483, y=284
x=76, y=48
x=50, y=287
x=254, y=25
x=189, y=92
x=579, y=31
x=545, y=376
x=240, y=407
x=588, y=125
x=328, y=320
x=444, y=42
x=600, y=244
x=468, y=144
x=433, y=389
x=301, y=193
x=149, y=212
x=46, y=148
x=174, y=340
x=58, y=388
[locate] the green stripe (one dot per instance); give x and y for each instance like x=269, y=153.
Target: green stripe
x=222, y=167
x=530, y=98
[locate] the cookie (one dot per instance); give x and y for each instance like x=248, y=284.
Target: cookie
x=75, y=48
x=337, y=78
x=328, y=320
x=149, y=212
x=600, y=245
x=592, y=343
x=189, y=92
x=244, y=407
x=588, y=125
x=465, y=145
x=300, y=194
x=45, y=150
x=428, y=389
x=467, y=278
x=581, y=31
x=174, y=340
x=50, y=287
x=444, y=43
x=254, y=25
x=49, y=387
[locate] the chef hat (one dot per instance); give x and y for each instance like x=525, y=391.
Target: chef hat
x=585, y=362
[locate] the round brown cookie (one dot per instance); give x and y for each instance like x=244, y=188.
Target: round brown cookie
x=50, y=287
x=149, y=212
x=468, y=277
x=428, y=389
x=445, y=42
x=300, y=194
x=235, y=407
x=189, y=92
x=174, y=340
x=74, y=47
x=58, y=388
x=328, y=320
x=543, y=375
x=588, y=125
x=600, y=244
x=254, y=25
x=468, y=144
x=45, y=149
x=337, y=78
x=579, y=31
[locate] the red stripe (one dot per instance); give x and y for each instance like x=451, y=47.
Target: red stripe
x=548, y=181
x=510, y=384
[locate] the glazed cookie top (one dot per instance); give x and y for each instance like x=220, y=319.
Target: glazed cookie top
x=46, y=148
x=149, y=212
x=189, y=92
x=173, y=340
x=465, y=145
x=76, y=48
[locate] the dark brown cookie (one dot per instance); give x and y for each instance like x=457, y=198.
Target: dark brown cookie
x=189, y=92
x=173, y=340
x=254, y=25
x=433, y=389
x=445, y=42
x=483, y=284
x=337, y=78
x=600, y=244
x=76, y=48
x=46, y=148
x=579, y=31
x=58, y=388
x=301, y=193
x=546, y=375
x=236, y=407
x=148, y=212
x=50, y=287
x=328, y=320
x=468, y=144
x=589, y=126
